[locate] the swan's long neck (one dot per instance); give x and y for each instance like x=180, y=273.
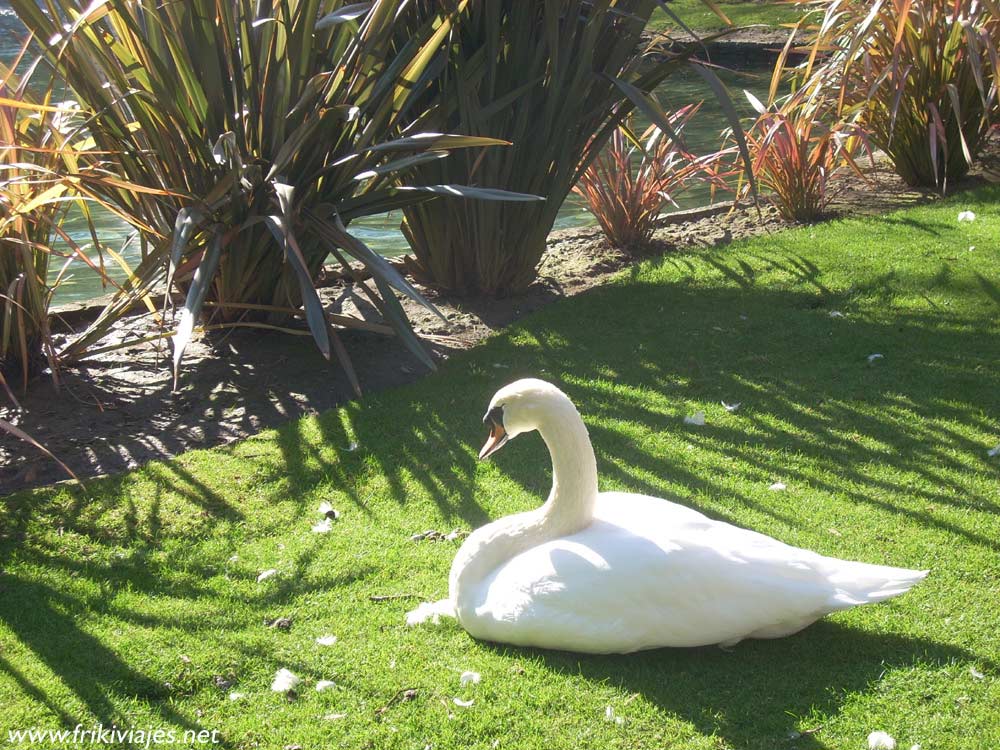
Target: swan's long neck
x=569, y=508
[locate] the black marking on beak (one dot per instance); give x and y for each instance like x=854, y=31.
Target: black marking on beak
x=494, y=415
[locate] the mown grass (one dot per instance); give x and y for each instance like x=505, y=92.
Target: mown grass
x=128, y=605
x=698, y=16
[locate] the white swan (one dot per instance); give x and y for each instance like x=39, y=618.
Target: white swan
x=614, y=572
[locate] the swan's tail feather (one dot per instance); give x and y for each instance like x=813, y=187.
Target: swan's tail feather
x=862, y=583
x=432, y=611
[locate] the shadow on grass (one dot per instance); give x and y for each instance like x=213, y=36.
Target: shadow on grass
x=803, y=377
x=50, y=625
x=418, y=445
x=632, y=357
x=989, y=288
x=804, y=380
x=46, y=621
x=755, y=695
x=926, y=227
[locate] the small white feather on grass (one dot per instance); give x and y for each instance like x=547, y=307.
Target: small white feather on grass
x=873, y=358
x=469, y=678
x=697, y=419
x=881, y=741
x=234, y=696
x=323, y=527
x=284, y=681
x=609, y=715
x=463, y=704
x=964, y=216
x=326, y=640
x=731, y=407
x=778, y=487
x=324, y=685
x=265, y=574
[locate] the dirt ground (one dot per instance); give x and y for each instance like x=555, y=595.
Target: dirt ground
x=117, y=411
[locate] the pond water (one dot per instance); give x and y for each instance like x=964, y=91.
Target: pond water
x=382, y=232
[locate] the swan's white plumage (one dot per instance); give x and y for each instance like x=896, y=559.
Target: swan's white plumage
x=617, y=572
x=648, y=573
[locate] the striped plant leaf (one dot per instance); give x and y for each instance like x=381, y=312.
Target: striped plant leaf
x=204, y=275
x=347, y=13
x=541, y=76
x=464, y=191
x=203, y=110
x=315, y=315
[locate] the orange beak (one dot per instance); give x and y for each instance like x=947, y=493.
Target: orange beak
x=496, y=441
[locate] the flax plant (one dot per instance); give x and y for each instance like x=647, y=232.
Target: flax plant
x=634, y=177
x=36, y=192
x=795, y=150
x=555, y=78
x=252, y=132
x=919, y=75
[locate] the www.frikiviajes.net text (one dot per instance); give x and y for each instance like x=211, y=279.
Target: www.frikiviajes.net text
x=99, y=735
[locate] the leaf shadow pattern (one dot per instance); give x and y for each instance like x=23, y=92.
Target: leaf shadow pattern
x=49, y=622
x=127, y=413
x=807, y=391
x=806, y=387
x=894, y=438
x=423, y=446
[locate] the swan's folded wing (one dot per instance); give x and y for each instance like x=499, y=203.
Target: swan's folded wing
x=692, y=581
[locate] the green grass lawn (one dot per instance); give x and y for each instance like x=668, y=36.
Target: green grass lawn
x=698, y=16
x=134, y=605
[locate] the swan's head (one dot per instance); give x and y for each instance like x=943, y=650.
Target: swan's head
x=522, y=406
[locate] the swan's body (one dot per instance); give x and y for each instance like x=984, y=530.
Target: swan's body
x=616, y=572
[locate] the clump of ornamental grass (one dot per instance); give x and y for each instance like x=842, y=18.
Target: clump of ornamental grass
x=42, y=176
x=920, y=76
x=555, y=78
x=636, y=176
x=30, y=213
x=796, y=145
x=247, y=136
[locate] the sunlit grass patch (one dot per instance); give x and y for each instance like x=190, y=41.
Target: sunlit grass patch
x=141, y=604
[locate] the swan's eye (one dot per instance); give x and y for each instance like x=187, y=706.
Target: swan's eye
x=494, y=416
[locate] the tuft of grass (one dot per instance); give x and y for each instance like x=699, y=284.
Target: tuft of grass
x=794, y=153
x=635, y=176
x=920, y=76
x=127, y=605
